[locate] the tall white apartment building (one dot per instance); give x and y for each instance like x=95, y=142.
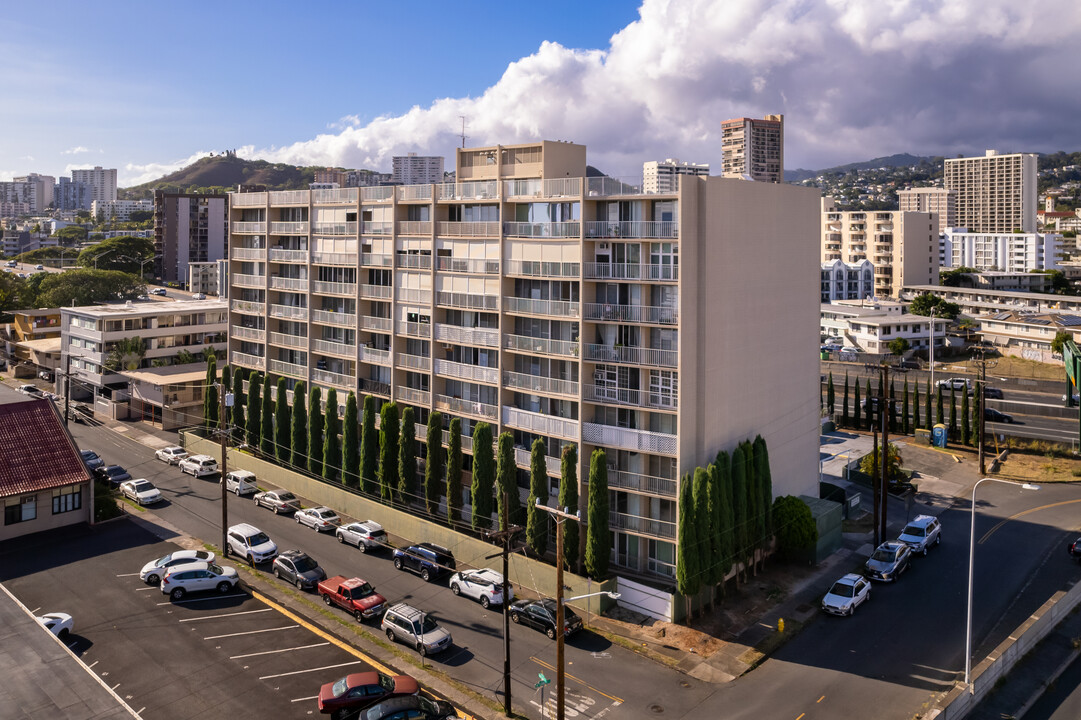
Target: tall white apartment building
x=940, y=201
x=413, y=169
x=101, y=182
x=902, y=246
x=553, y=306
x=663, y=176
x=17, y=198
x=43, y=189
x=119, y=210
x=753, y=149
x=994, y=193
x=1008, y=252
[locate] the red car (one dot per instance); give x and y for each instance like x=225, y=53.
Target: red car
x=361, y=690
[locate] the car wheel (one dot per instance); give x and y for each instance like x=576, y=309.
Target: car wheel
x=358, y=615
x=295, y=518
x=390, y=635
x=398, y=563
x=341, y=538
x=224, y=587
x=251, y=560
x=455, y=589
x=425, y=575
x=485, y=602
x=237, y=491
x=938, y=538
x=924, y=551
x=177, y=593
x=300, y=584
x=326, y=599
x=514, y=618
x=277, y=573
x=362, y=547
x=551, y=633
x=152, y=579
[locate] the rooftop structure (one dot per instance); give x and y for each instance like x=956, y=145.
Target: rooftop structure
x=753, y=149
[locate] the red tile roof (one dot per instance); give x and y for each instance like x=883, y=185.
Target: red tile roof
x=36, y=452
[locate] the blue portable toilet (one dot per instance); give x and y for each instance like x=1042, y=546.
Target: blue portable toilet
x=939, y=435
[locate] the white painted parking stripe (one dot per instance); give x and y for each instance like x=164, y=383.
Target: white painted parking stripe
x=212, y=597
x=271, y=652
x=251, y=632
x=92, y=664
x=310, y=697
x=152, y=587
x=35, y=611
x=114, y=687
x=213, y=617
x=300, y=672
x=129, y=574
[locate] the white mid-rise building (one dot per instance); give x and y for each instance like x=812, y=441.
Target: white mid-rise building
x=662, y=176
x=119, y=210
x=101, y=182
x=847, y=281
x=1008, y=252
x=43, y=190
x=871, y=328
x=994, y=193
x=413, y=169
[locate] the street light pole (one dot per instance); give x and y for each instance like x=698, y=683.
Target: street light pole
x=971, y=564
x=932, y=353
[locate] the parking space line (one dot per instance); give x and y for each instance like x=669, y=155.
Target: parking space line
x=310, y=697
x=301, y=672
x=212, y=597
x=92, y=664
x=271, y=652
x=214, y=617
x=251, y=632
x=152, y=587
x=114, y=687
x=35, y=611
x=572, y=677
x=129, y=574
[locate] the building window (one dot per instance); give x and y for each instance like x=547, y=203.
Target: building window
x=67, y=499
x=21, y=509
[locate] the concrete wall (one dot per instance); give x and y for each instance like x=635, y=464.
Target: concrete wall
x=45, y=520
x=467, y=550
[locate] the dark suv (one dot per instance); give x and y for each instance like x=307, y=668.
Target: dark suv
x=427, y=560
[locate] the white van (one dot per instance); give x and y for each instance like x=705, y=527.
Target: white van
x=241, y=482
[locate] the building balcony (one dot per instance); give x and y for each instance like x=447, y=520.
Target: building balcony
x=334, y=349
x=374, y=356
x=372, y=227
x=628, y=439
x=631, y=313
x=540, y=346
x=248, y=307
x=415, y=262
x=337, y=319
x=468, y=301
x=626, y=480
x=641, y=525
x=536, y=422
x=630, y=271
x=382, y=193
x=337, y=259
x=560, y=309
x=609, y=186
x=484, y=337
x=249, y=281
x=479, y=266
x=245, y=333
x=247, y=253
x=523, y=458
x=334, y=288
x=281, y=367
x=374, y=387
x=288, y=228
x=652, y=357
x=412, y=396
x=288, y=256
x=249, y=228
x=287, y=340
x=289, y=283
x=666, y=229
x=289, y=312
x=539, y=384
x=532, y=268
x=376, y=292
x=462, y=371
x=378, y=260
x=483, y=190
x=470, y=408
x=537, y=188
x=629, y=397
x=337, y=380
x=414, y=227
x=414, y=192
x=375, y=324
x=542, y=229
x=414, y=362
x=412, y=329
x=290, y=197
x=415, y=296
x=247, y=199
x=468, y=229
x=335, y=196
x=252, y=362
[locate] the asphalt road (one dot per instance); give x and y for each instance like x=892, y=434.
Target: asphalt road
x=1061, y=701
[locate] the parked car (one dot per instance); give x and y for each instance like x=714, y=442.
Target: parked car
x=957, y=383
x=154, y=570
x=484, y=586
x=541, y=615
x=406, y=624
x=141, y=491
x=198, y=465
x=171, y=455
x=846, y=595
x=361, y=690
x=425, y=559
x=251, y=543
x=31, y=390
x=993, y=393
x=908, y=364
x=112, y=474
x=320, y=519
x=830, y=347
x=415, y=707
x=888, y=561
x=366, y=535
x=80, y=413
x=298, y=568
x=1074, y=549
x=39, y=267
x=46, y=375
x=921, y=533
x=196, y=577
x=355, y=596
x=198, y=296
x=59, y=624
x=241, y=482
x=992, y=415
x=91, y=459
x=850, y=350
x=157, y=291
x=280, y=501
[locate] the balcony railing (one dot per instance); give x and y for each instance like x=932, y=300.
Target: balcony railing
x=289, y=312
x=539, y=384
x=285, y=368
x=480, y=190
x=338, y=319
x=626, y=396
x=245, y=360
x=414, y=397
x=469, y=265
x=247, y=253
x=463, y=371
x=659, y=315
x=376, y=292
x=247, y=199
x=414, y=192
x=337, y=349
x=523, y=459
x=467, y=300
x=334, y=228
x=289, y=228
x=413, y=329
x=375, y=260
x=415, y=227
x=468, y=229
x=289, y=197
x=632, y=355
x=373, y=387
x=628, y=439
x=287, y=340
x=329, y=258
x=535, y=188
x=247, y=333
x=414, y=362
x=526, y=344
x=289, y=283
x=375, y=324
x=540, y=423
x=372, y=227
x=630, y=271
x=542, y=229
x=290, y=256
x=334, y=288
x=334, y=196
x=534, y=268
x=415, y=295
x=553, y=308
x=338, y=380
x=644, y=526
x=248, y=307
x=474, y=408
x=601, y=186
x=377, y=194
x=485, y=337
x=632, y=229
x=417, y=262
x=374, y=356
x=641, y=483
x=250, y=228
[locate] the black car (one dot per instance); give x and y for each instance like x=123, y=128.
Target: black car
x=113, y=474
x=425, y=559
x=410, y=706
x=298, y=568
x=1074, y=549
x=541, y=615
x=992, y=415
x=992, y=393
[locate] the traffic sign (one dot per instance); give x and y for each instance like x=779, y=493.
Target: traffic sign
x=542, y=682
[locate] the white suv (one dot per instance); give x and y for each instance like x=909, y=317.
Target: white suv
x=196, y=576
x=241, y=482
x=484, y=586
x=921, y=533
x=199, y=465
x=251, y=543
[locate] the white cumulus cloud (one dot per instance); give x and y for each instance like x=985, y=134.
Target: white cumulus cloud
x=78, y=149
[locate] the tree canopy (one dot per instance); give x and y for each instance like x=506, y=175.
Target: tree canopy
x=118, y=253
x=923, y=304
x=84, y=287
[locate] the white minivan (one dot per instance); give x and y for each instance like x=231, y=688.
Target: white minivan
x=241, y=482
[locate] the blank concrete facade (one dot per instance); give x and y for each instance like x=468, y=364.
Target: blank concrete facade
x=753, y=149
x=994, y=193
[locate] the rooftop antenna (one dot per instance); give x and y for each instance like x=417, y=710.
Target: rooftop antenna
x=463, y=130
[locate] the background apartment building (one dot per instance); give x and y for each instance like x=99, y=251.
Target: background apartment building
x=68, y=195
x=188, y=227
x=100, y=182
x=994, y=193
x=663, y=176
x=554, y=306
x=119, y=210
x=940, y=201
x=413, y=169
x=1006, y=251
x=43, y=190
x=753, y=149
x=902, y=246
x=847, y=281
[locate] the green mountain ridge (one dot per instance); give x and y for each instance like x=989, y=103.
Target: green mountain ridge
x=226, y=172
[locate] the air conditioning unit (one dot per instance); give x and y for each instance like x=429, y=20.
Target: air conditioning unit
x=602, y=246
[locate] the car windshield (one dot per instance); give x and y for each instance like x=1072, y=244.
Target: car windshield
x=216, y=569
x=258, y=539
x=361, y=591
x=89, y=454
x=914, y=531
x=326, y=513
x=387, y=682
x=164, y=559
x=884, y=555
x=841, y=589
x=286, y=496
x=143, y=486
x=305, y=563
x=338, y=689
x=422, y=627
x=115, y=470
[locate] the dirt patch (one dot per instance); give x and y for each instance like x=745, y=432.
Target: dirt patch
x=1051, y=467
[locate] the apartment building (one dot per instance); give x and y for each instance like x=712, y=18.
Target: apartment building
x=119, y=210
x=554, y=306
x=43, y=190
x=413, y=169
x=100, y=182
x=977, y=301
x=847, y=281
x=994, y=193
x=1027, y=334
x=940, y=201
x=208, y=277
x=68, y=195
x=188, y=228
x=753, y=149
x=18, y=198
x=1006, y=251
x=872, y=328
x=662, y=176
x=902, y=246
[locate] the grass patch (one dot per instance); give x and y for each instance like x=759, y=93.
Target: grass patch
x=131, y=503
x=639, y=648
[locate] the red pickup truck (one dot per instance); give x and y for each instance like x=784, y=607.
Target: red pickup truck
x=353, y=595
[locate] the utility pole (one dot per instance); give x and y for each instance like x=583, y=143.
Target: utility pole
x=223, y=432
x=67, y=389
x=560, y=517
x=982, y=389
x=506, y=534
x=885, y=413
x=874, y=473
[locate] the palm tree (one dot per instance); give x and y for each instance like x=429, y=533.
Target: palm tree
x=127, y=354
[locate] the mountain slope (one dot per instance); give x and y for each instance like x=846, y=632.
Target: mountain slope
x=227, y=171
x=898, y=160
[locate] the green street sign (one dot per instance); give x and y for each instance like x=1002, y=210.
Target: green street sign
x=543, y=681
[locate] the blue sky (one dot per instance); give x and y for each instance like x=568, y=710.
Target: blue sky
x=146, y=87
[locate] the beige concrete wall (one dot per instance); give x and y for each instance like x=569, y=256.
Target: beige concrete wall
x=45, y=519
x=915, y=250
x=563, y=159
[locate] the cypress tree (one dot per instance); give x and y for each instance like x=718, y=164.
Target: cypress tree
x=226, y=379
x=407, y=458
x=210, y=405
x=299, y=459
x=871, y=415
x=351, y=443
x=255, y=411
x=238, y=403
x=831, y=397
x=953, y=415
x=904, y=411
x=711, y=550
x=598, y=538
x=688, y=577
x=568, y=500
x=916, y=407
x=506, y=472
x=315, y=431
x=754, y=499
x=966, y=417
x=454, y=471
x=537, y=520
x=483, y=477
x=433, y=463
x=739, y=504
x=844, y=404
x=389, y=431
x=727, y=525
x=856, y=422
x=703, y=525
x=893, y=412
x=266, y=441
x=765, y=488
x=369, y=448
x=939, y=414
x=332, y=448
x=281, y=424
